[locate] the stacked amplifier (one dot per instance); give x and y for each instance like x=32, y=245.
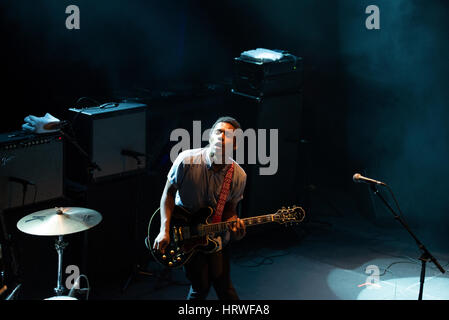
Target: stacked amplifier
x=268, y=93
x=259, y=77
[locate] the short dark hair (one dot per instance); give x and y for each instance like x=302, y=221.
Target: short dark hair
x=229, y=120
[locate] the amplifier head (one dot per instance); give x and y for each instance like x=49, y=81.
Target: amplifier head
x=114, y=136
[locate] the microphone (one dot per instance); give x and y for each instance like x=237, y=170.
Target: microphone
x=361, y=179
x=25, y=184
x=56, y=125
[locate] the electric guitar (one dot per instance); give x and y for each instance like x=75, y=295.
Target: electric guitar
x=192, y=232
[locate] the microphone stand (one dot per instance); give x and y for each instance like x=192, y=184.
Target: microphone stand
x=91, y=165
x=426, y=256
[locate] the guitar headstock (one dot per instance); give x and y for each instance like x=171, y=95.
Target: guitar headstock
x=294, y=214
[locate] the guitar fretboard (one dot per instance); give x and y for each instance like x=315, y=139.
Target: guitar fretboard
x=224, y=226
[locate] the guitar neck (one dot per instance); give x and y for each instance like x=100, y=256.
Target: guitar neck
x=224, y=226
x=253, y=221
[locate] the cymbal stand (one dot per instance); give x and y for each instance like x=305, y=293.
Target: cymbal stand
x=9, y=246
x=60, y=245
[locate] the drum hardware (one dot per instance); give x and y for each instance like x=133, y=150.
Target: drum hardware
x=59, y=222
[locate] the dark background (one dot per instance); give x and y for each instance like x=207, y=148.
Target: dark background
x=374, y=101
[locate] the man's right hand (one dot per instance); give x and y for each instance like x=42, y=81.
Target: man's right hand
x=166, y=209
x=161, y=241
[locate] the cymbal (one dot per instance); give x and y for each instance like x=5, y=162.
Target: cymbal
x=59, y=221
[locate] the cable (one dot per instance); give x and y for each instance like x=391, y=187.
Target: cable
x=71, y=293
x=264, y=258
x=395, y=256
x=87, y=98
x=35, y=193
x=88, y=286
x=411, y=261
x=81, y=109
x=106, y=105
x=393, y=263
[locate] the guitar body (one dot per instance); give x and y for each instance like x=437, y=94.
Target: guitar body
x=184, y=237
x=191, y=232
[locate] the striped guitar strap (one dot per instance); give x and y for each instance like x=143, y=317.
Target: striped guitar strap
x=223, y=195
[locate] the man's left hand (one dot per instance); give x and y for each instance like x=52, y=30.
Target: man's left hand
x=238, y=229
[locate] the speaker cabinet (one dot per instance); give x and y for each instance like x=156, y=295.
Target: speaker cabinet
x=114, y=137
x=31, y=168
x=275, y=180
x=269, y=98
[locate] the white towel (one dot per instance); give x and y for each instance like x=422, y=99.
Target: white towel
x=36, y=124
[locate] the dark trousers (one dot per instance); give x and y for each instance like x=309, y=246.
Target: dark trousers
x=204, y=270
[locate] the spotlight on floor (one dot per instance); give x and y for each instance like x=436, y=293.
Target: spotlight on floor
x=435, y=288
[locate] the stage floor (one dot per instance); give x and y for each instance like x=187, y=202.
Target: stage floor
x=334, y=258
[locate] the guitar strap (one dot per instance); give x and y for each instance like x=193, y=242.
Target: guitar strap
x=223, y=195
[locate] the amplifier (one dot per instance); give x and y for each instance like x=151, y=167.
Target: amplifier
x=283, y=113
x=265, y=78
x=31, y=168
x=114, y=137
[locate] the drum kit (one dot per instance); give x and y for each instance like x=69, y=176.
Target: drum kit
x=59, y=221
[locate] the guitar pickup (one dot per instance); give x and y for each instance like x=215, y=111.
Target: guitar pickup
x=175, y=234
x=184, y=233
x=180, y=233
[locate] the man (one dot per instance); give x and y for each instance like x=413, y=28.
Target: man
x=196, y=180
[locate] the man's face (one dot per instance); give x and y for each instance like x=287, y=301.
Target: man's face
x=222, y=138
